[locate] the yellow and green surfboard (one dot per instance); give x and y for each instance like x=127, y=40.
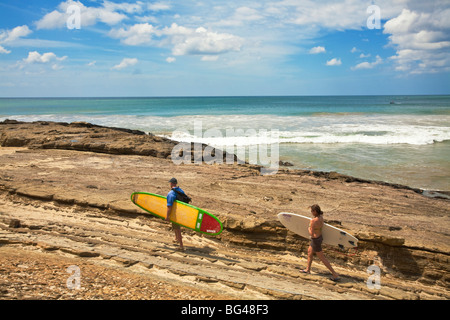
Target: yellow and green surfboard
x=182, y=214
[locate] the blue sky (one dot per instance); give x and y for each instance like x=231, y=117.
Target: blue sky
x=234, y=47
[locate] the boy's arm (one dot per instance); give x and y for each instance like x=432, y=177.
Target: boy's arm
x=169, y=208
x=170, y=201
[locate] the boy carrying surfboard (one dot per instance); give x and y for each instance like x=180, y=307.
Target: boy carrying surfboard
x=174, y=193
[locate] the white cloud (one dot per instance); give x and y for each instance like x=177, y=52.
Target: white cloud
x=240, y=16
x=56, y=66
x=368, y=65
x=188, y=41
x=210, y=58
x=9, y=37
x=180, y=39
x=14, y=34
x=331, y=14
x=36, y=57
x=47, y=58
x=147, y=18
x=171, y=59
x=107, y=13
x=286, y=24
x=158, y=6
x=362, y=55
x=52, y=20
x=125, y=63
x=317, y=50
x=130, y=8
x=3, y=50
x=247, y=13
x=137, y=34
x=421, y=36
x=334, y=62
x=183, y=40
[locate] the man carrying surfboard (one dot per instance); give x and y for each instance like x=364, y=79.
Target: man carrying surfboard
x=315, y=231
x=171, y=197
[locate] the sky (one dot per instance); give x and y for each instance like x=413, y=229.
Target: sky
x=110, y=48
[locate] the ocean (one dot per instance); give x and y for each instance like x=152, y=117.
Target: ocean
x=397, y=139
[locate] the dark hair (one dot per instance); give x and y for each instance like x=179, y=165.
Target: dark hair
x=173, y=180
x=316, y=209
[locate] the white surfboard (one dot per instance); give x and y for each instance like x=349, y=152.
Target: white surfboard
x=331, y=235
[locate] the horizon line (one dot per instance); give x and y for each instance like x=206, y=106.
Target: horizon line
x=223, y=96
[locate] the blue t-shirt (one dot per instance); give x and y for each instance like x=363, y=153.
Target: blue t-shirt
x=172, y=196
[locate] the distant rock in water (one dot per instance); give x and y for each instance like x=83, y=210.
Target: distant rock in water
x=285, y=163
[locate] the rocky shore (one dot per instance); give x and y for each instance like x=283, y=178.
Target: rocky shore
x=64, y=201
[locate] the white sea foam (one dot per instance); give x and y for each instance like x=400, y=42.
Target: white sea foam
x=331, y=130
x=241, y=130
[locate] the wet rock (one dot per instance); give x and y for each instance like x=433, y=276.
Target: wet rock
x=285, y=163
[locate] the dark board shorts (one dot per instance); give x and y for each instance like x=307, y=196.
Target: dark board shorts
x=316, y=244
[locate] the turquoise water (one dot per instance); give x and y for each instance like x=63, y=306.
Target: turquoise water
x=399, y=139
x=182, y=106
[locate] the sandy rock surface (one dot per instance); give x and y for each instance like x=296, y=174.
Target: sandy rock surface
x=65, y=205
